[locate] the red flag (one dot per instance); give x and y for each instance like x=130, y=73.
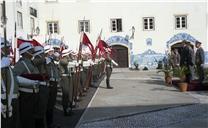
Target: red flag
x=103, y=46
x=86, y=41
x=33, y=42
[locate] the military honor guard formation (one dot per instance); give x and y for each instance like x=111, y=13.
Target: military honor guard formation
x=29, y=86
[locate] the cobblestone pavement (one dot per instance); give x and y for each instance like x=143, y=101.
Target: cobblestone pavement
x=141, y=100
x=166, y=118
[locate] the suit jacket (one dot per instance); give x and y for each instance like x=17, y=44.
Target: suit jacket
x=200, y=57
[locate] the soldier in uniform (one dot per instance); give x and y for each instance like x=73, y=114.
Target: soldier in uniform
x=71, y=66
x=40, y=62
x=54, y=78
x=9, y=91
x=65, y=82
x=109, y=67
x=28, y=88
x=199, y=61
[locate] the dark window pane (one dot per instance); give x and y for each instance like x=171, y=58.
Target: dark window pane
x=145, y=20
x=178, y=26
x=183, y=25
x=119, y=25
x=145, y=27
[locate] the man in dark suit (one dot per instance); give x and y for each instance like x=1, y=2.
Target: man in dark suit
x=199, y=60
x=187, y=59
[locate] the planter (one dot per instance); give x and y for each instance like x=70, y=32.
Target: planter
x=183, y=86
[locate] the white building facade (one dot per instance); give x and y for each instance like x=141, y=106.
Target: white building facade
x=134, y=29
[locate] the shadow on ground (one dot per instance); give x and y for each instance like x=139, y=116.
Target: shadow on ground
x=150, y=116
x=72, y=120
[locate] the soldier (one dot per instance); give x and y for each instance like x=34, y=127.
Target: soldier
x=28, y=89
x=71, y=66
x=40, y=62
x=199, y=61
x=65, y=82
x=9, y=91
x=54, y=77
x=109, y=67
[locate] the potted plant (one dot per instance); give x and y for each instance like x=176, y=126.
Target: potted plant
x=168, y=75
x=181, y=73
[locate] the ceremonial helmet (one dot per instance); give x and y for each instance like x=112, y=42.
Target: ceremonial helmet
x=24, y=47
x=48, y=48
x=66, y=52
x=38, y=50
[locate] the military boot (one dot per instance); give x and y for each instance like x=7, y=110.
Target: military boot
x=108, y=84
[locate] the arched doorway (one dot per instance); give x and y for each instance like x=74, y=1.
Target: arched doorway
x=121, y=55
x=179, y=46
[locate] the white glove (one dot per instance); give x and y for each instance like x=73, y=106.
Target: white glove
x=3, y=110
x=5, y=62
x=202, y=65
x=48, y=60
x=114, y=63
x=43, y=83
x=91, y=62
x=80, y=61
x=76, y=64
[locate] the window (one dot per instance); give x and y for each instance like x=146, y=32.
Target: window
x=33, y=12
x=1, y=11
x=116, y=25
x=84, y=25
x=32, y=24
x=148, y=23
x=181, y=22
x=19, y=20
x=51, y=1
x=53, y=27
x=19, y=3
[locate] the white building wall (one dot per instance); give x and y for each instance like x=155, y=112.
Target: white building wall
x=99, y=14
x=11, y=13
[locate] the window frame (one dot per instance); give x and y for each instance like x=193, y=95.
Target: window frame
x=148, y=23
x=53, y=27
x=116, y=25
x=83, y=22
x=19, y=20
x=32, y=24
x=180, y=22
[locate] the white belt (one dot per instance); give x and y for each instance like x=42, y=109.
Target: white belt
x=65, y=74
x=14, y=96
x=29, y=90
x=53, y=79
x=108, y=66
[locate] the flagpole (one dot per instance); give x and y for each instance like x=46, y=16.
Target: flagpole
x=15, y=41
